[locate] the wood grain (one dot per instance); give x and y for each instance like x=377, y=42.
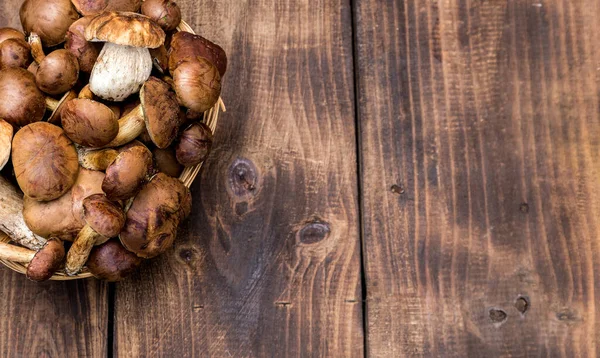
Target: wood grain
x=479, y=142
x=52, y=319
x=269, y=264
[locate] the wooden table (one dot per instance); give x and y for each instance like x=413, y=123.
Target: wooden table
x=391, y=178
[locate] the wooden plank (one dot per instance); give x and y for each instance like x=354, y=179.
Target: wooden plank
x=52, y=319
x=270, y=260
x=479, y=140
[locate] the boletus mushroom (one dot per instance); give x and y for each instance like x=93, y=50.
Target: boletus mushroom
x=22, y=102
x=89, y=123
x=155, y=215
x=104, y=219
x=6, y=135
x=56, y=106
x=44, y=160
x=112, y=262
x=95, y=7
x=96, y=159
x=15, y=52
x=186, y=46
x=41, y=264
x=128, y=172
x=48, y=18
x=85, y=51
x=166, y=162
x=194, y=144
x=10, y=33
x=57, y=72
x=166, y=13
x=197, y=84
x=124, y=63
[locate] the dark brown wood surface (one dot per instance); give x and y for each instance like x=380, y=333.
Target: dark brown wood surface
x=479, y=145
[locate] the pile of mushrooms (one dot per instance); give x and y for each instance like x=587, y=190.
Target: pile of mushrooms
x=99, y=116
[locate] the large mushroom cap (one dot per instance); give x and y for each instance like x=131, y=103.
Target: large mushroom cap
x=47, y=261
x=48, y=18
x=166, y=13
x=126, y=175
x=58, y=72
x=21, y=101
x=186, y=46
x=89, y=123
x=197, y=84
x=103, y=216
x=161, y=111
x=112, y=262
x=6, y=135
x=155, y=215
x=125, y=28
x=45, y=161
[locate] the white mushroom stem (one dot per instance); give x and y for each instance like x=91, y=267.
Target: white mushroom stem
x=96, y=159
x=11, y=217
x=81, y=248
x=120, y=71
x=130, y=127
x=6, y=135
x=15, y=253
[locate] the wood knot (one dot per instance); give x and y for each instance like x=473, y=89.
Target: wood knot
x=243, y=177
x=567, y=315
x=524, y=208
x=497, y=315
x=314, y=232
x=522, y=304
x=186, y=256
x=397, y=189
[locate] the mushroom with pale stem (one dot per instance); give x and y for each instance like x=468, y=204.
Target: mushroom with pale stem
x=41, y=264
x=6, y=135
x=57, y=72
x=56, y=106
x=155, y=215
x=15, y=53
x=158, y=113
x=128, y=172
x=124, y=63
x=85, y=51
x=48, y=18
x=104, y=219
x=194, y=144
x=44, y=160
x=22, y=102
x=63, y=217
x=89, y=123
x=112, y=262
x=186, y=46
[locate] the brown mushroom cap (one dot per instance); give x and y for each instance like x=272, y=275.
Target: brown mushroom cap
x=15, y=53
x=161, y=112
x=186, y=46
x=56, y=116
x=125, y=28
x=112, y=262
x=48, y=18
x=10, y=33
x=47, y=261
x=6, y=135
x=46, y=174
x=95, y=7
x=160, y=59
x=58, y=72
x=103, y=216
x=22, y=102
x=166, y=162
x=89, y=123
x=154, y=216
x=197, y=84
x=194, y=144
x=86, y=52
x=165, y=13
x=126, y=175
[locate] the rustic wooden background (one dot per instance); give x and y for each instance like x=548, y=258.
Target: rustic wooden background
x=392, y=179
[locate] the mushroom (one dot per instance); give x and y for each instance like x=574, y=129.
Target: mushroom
x=63, y=217
x=197, y=84
x=44, y=160
x=166, y=162
x=104, y=219
x=15, y=53
x=95, y=7
x=194, y=144
x=10, y=33
x=128, y=172
x=56, y=106
x=112, y=262
x=6, y=135
x=86, y=93
x=160, y=59
x=155, y=215
x=22, y=102
x=57, y=72
x=186, y=46
x=48, y=18
x=41, y=264
x=124, y=63
x=86, y=52
x=165, y=13
x=89, y=123
x=96, y=159
x=158, y=112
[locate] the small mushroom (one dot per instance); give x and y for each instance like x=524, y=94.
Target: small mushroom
x=56, y=106
x=96, y=159
x=112, y=262
x=166, y=13
x=158, y=113
x=48, y=18
x=10, y=33
x=194, y=144
x=41, y=264
x=22, y=102
x=166, y=162
x=197, y=84
x=186, y=46
x=128, y=37
x=104, y=219
x=15, y=53
x=44, y=160
x=86, y=52
x=155, y=215
x=89, y=123
x=6, y=135
x=128, y=172
x=57, y=72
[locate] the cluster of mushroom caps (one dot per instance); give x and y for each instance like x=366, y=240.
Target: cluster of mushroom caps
x=105, y=104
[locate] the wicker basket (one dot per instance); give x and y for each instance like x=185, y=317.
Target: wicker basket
x=211, y=118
